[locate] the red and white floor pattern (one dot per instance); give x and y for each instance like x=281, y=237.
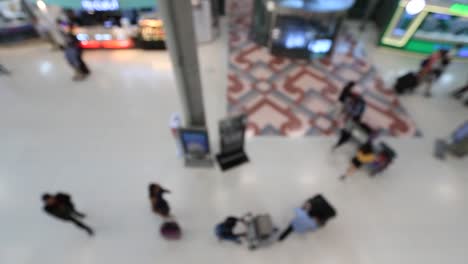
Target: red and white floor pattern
x=289, y=97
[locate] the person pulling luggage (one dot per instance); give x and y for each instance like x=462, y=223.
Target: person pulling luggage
x=74, y=53
x=346, y=91
x=354, y=107
x=225, y=229
x=364, y=155
x=302, y=222
x=159, y=205
x=61, y=207
x=432, y=68
x=313, y=214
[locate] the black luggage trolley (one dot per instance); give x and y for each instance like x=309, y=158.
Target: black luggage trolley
x=260, y=230
x=321, y=208
x=385, y=156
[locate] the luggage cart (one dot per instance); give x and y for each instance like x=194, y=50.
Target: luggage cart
x=260, y=230
x=385, y=156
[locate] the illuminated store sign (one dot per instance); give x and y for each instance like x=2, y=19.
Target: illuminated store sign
x=428, y=29
x=100, y=5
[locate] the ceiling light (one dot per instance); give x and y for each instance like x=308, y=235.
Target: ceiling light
x=415, y=6
x=42, y=6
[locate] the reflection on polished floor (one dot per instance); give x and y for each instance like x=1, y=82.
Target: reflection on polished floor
x=106, y=138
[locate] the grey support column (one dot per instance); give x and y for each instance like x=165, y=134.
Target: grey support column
x=339, y=23
x=181, y=42
x=369, y=10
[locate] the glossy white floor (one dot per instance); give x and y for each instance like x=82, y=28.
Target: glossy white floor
x=105, y=139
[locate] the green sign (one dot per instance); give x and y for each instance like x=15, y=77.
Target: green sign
x=420, y=46
x=459, y=9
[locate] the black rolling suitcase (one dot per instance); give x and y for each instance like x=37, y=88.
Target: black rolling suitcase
x=406, y=83
x=170, y=230
x=321, y=208
x=386, y=155
x=388, y=151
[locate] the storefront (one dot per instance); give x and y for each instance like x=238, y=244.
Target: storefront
x=114, y=24
x=114, y=29
x=121, y=24
x=299, y=28
x=427, y=25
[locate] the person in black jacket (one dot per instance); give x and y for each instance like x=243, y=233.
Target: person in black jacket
x=61, y=206
x=346, y=92
x=74, y=53
x=225, y=230
x=354, y=107
x=159, y=205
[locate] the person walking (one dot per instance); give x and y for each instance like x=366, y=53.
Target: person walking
x=74, y=53
x=302, y=222
x=159, y=205
x=225, y=229
x=432, y=68
x=353, y=107
x=62, y=207
x=346, y=91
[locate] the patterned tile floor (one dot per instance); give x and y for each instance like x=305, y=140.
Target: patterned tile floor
x=298, y=98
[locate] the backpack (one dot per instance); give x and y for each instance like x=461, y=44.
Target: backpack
x=170, y=230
